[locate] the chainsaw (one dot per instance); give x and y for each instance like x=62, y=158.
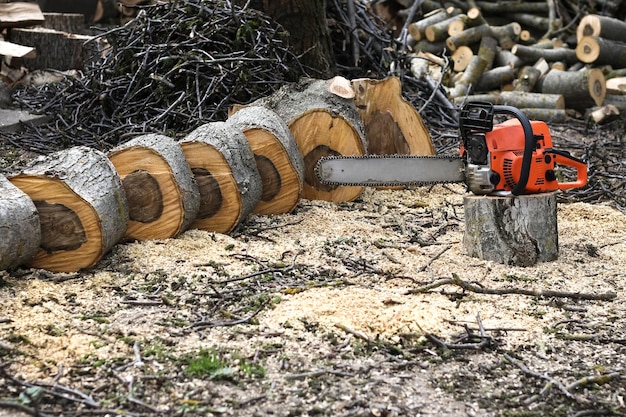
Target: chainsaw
x=514, y=157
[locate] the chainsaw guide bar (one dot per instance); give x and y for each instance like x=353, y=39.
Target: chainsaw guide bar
x=389, y=170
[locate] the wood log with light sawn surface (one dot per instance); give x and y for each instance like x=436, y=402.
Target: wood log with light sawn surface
x=605, y=27
x=511, y=230
x=324, y=121
x=20, y=231
x=277, y=156
x=20, y=14
x=532, y=100
x=599, y=51
x=162, y=193
x=530, y=55
x=81, y=205
x=392, y=125
x=225, y=169
x=580, y=89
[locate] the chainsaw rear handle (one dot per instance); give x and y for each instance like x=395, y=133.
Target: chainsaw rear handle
x=565, y=159
x=482, y=120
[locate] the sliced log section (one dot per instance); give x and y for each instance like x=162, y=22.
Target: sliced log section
x=392, y=125
x=230, y=185
x=518, y=231
x=322, y=123
x=599, y=51
x=580, y=89
x=603, y=26
x=278, y=159
x=163, y=197
x=20, y=231
x=81, y=204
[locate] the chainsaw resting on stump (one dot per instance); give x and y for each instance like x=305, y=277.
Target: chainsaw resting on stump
x=510, y=158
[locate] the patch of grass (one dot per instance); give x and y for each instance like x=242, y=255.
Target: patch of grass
x=208, y=364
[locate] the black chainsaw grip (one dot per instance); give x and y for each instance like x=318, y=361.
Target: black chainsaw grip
x=529, y=145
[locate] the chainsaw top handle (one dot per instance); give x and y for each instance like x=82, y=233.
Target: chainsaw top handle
x=478, y=117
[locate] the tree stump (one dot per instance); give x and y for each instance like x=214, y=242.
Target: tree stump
x=81, y=204
x=162, y=193
x=322, y=123
x=512, y=230
x=278, y=159
x=230, y=185
x=392, y=125
x=20, y=231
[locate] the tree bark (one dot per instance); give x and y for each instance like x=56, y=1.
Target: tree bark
x=226, y=172
x=20, y=231
x=520, y=230
x=305, y=20
x=581, y=89
x=163, y=196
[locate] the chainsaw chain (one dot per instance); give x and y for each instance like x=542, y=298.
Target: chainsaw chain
x=385, y=184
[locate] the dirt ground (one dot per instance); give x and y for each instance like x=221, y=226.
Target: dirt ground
x=314, y=313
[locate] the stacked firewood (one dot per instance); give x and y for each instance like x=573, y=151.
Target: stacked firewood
x=550, y=59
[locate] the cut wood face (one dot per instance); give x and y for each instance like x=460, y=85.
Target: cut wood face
x=145, y=201
x=320, y=133
x=385, y=136
x=63, y=247
x=61, y=228
x=281, y=182
x=210, y=194
x=220, y=199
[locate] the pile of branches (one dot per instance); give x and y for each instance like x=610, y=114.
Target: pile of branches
x=177, y=65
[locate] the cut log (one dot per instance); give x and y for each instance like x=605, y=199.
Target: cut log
x=468, y=36
x=441, y=30
x=461, y=58
x=547, y=115
x=81, y=205
x=592, y=49
x=20, y=14
x=469, y=78
x=603, y=115
x=581, y=89
x=57, y=50
x=519, y=231
x=521, y=99
x=530, y=55
x=526, y=79
x=17, y=51
x=417, y=29
x=322, y=124
x=616, y=85
x=163, y=196
x=223, y=164
x=495, y=78
x=392, y=125
x=602, y=26
x=278, y=158
x=20, y=231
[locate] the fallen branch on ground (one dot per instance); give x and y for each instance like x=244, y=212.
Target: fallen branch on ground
x=468, y=286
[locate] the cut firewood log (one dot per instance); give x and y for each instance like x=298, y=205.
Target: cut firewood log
x=616, y=85
x=504, y=7
x=537, y=22
x=605, y=27
x=468, y=37
x=162, y=193
x=487, y=50
x=547, y=115
x=229, y=182
x=530, y=55
x=461, y=58
x=20, y=14
x=580, y=89
x=65, y=22
x=322, y=123
x=278, y=158
x=449, y=27
x=20, y=231
x=507, y=35
x=392, y=125
x=529, y=235
x=504, y=57
x=526, y=79
x=521, y=99
x=599, y=51
x=602, y=115
x=495, y=78
x=470, y=77
x=491, y=97
x=81, y=205
x=417, y=29
x=13, y=50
